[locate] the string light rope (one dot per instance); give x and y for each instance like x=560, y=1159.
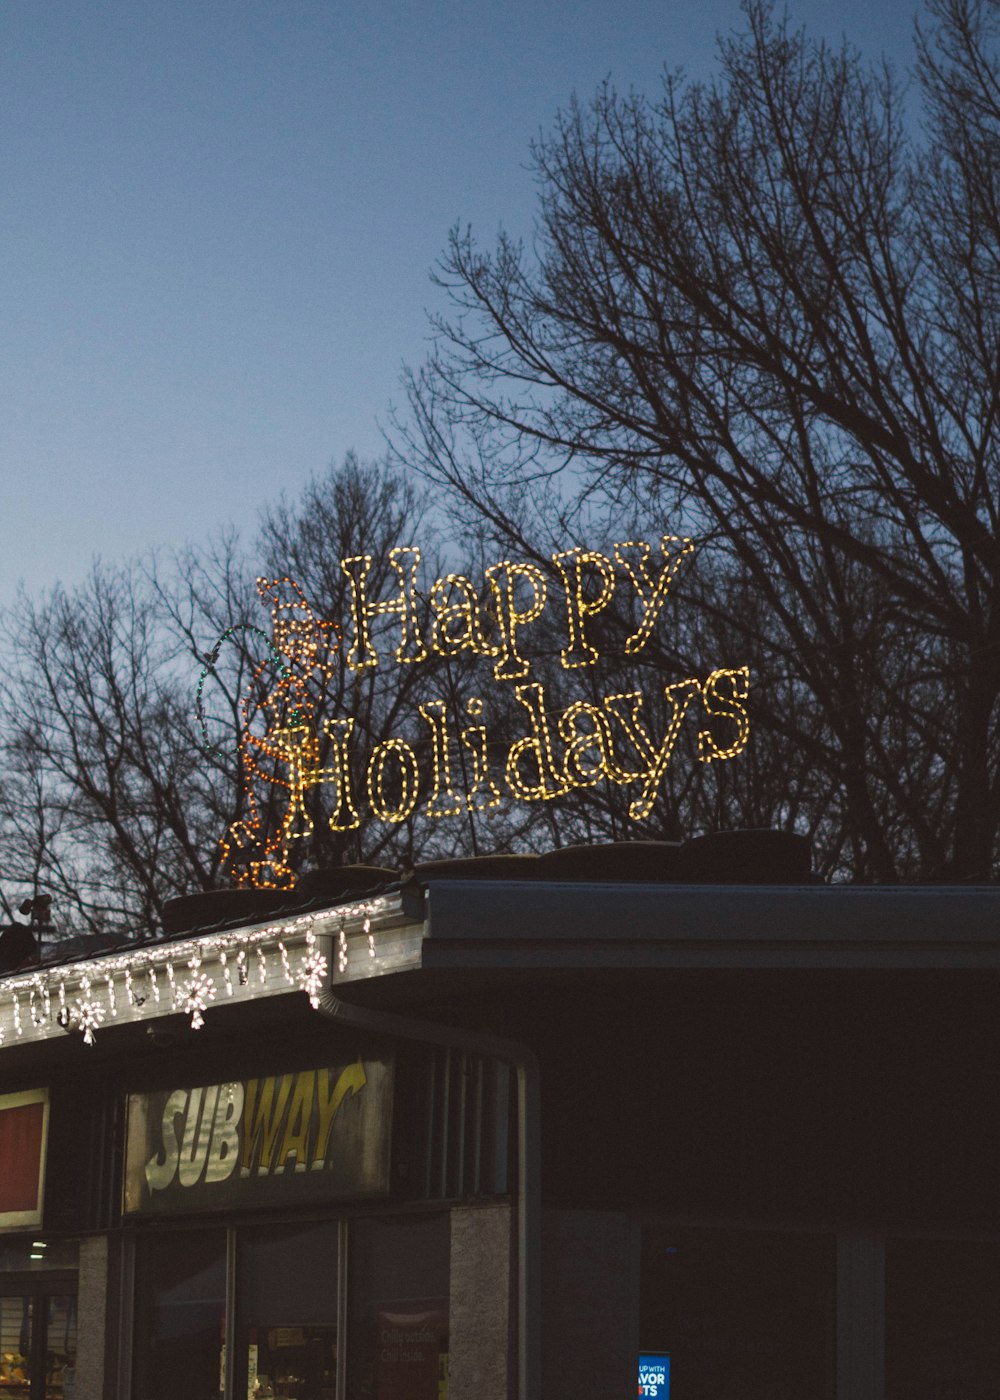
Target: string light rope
x=302, y=646
x=210, y=658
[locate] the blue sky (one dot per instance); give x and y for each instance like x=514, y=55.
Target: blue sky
x=218, y=217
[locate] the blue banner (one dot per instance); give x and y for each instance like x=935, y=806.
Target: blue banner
x=654, y=1374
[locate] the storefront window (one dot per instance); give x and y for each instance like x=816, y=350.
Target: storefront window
x=287, y=1312
x=738, y=1314
x=180, y=1315
x=942, y=1319
x=398, y=1313
x=287, y=1296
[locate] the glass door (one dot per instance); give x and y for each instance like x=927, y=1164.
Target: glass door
x=37, y=1345
x=398, y=1308
x=16, y=1349
x=180, y=1316
x=60, y=1346
x=287, y=1335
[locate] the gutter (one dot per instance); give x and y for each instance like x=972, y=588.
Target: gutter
x=529, y=1212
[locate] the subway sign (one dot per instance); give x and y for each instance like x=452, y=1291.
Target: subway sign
x=309, y=1135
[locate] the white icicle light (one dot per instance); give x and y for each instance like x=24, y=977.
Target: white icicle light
x=286, y=966
x=87, y=996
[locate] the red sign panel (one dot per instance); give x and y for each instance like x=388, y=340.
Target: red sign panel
x=23, y=1125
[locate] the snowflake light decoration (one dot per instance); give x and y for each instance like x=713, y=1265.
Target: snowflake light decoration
x=312, y=971
x=85, y=1013
x=193, y=997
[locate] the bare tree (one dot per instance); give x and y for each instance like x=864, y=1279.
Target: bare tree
x=766, y=311
x=105, y=806
x=154, y=719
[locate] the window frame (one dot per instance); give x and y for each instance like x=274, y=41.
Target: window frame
x=233, y=1225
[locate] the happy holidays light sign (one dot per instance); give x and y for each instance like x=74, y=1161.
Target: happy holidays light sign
x=610, y=738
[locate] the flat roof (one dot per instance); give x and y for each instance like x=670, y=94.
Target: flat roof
x=467, y=932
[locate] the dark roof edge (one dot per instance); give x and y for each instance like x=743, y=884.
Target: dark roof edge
x=478, y=910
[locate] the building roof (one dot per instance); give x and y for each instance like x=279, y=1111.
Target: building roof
x=439, y=933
